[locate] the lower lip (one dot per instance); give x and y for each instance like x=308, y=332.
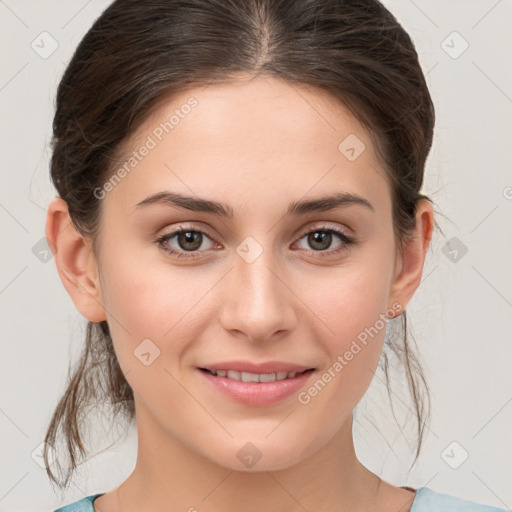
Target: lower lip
x=257, y=393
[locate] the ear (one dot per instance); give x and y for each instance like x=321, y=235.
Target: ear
x=75, y=260
x=409, y=264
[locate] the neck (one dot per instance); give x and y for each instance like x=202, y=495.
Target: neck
x=170, y=476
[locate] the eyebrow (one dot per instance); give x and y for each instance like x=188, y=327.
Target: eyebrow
x=302, y=207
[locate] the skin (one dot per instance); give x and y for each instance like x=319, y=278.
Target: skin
x=256, y=146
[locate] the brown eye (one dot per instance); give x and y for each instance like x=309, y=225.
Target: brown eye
x=187, y=240
x=320, y=239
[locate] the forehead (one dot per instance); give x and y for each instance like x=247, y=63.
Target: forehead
x=250, y=137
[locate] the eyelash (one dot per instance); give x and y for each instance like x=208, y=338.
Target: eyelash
x=347, y=241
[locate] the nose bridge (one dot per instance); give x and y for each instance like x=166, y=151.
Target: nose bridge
x=259, y=304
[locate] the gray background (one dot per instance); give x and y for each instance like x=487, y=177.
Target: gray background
x=461, y=315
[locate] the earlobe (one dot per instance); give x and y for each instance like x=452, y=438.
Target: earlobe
x=409, y=264
x=76, y=264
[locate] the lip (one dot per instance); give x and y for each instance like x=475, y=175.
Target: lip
x=250, y=367
x=257, y=393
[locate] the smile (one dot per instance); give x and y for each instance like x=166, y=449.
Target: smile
x=253, y=377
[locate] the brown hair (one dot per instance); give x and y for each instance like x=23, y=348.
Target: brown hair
x=139, y=52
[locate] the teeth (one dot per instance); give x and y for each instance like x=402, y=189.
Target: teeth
x=253, y=377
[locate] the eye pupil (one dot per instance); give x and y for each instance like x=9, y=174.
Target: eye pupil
x=189, y=237
x=320, y=237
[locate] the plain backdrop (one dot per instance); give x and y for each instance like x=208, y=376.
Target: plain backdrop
x=461, y=315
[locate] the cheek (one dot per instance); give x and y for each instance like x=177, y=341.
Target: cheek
x=146, y=316
x=351, y=306
x=349, y=299
x=150, y=302
x=353, y=354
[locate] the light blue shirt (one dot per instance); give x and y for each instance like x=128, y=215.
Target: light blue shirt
x=426, y=500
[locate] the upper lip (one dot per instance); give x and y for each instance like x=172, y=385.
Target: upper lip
x=249, y=367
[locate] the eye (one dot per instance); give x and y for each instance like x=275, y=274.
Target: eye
x=322, y=237
x=189, y=241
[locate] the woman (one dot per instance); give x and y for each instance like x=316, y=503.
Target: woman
x=239, y=219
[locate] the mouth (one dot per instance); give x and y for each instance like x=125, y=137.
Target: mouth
x=254, y=377
x=264, y=385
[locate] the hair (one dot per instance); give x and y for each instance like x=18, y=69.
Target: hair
x=139, y=53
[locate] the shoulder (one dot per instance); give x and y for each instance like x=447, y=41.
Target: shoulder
x=428, y=500
x=84, y=505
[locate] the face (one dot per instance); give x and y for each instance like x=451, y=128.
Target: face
x=308, y=287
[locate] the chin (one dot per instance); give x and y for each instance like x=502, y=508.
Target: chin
x=260, y=455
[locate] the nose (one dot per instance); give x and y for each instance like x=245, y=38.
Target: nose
x=258, y=303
